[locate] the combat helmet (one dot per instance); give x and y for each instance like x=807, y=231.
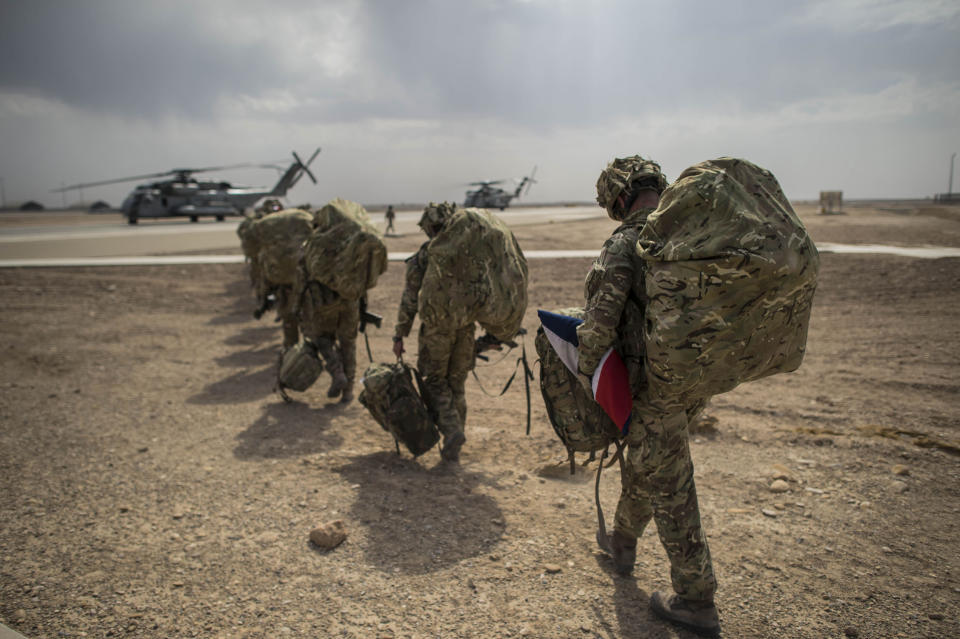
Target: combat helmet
x=624, y=175
x=435, y=216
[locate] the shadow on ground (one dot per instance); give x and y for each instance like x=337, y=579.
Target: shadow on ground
x=241, y=303
x=632, y=605
x=243, y=386
x=289, y=430
x=443, y=518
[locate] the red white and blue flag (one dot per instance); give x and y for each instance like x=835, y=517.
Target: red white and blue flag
x=611, y=382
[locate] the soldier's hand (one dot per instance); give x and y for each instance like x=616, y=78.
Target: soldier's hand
x=398, y=347
x=586, y=382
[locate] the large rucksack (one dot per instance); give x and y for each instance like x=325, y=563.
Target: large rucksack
x=577, y=419
x=391, y=397
x=731, y=274
x=276, y=239
x=475, y=272
x=345, y=252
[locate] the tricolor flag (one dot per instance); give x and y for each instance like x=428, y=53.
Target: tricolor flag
x=611, y=382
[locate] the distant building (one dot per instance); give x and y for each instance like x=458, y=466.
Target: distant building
x=32, y=205
x=831, y=202
x=100, y=205
x=946, y=197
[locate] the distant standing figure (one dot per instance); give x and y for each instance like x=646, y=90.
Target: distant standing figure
x=391, y=216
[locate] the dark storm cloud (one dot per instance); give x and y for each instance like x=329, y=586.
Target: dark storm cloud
x=528, y=64
x=127, y=58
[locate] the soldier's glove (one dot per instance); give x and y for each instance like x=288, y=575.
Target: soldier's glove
x=586, y=382
x=398, y=346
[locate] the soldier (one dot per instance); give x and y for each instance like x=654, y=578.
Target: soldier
x=445, y=353
x=657, y=479
x=248, y=243
x=331, y=323
x=270, y=240
x=390, y=216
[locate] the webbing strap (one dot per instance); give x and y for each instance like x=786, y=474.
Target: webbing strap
x=602, y=537
x=367, y=341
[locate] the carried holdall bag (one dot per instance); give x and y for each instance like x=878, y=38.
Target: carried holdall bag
x=299, y=368
x=578, y=420
x=393, y=400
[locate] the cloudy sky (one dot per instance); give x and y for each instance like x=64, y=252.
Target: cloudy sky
x=410, y=99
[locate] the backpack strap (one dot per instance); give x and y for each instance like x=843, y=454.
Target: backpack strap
x=602, y=538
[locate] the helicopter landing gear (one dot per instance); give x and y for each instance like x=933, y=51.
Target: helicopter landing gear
x=220, y=218
x=194, y=218
x=132, y=219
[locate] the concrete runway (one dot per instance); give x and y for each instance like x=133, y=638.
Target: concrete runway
x=157, y=242
x=115, y=238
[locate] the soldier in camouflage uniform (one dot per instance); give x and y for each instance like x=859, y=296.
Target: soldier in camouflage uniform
x=445, y=353
x=282, y=296
x=658, y=474
x=331, y=323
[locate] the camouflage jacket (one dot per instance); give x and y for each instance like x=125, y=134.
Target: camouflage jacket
x=416, y=267
x=615, y=302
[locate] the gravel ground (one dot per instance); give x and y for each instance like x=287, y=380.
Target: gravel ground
x=153, y=485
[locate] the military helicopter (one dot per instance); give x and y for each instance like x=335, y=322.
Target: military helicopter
x=185, y=196
x=489, y=196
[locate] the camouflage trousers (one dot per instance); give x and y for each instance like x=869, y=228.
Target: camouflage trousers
x=332, y=325
x=657, y=483
x=445, y=357
x=287, y=315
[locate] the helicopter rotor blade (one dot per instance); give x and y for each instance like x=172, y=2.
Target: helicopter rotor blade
x=132, y=178
x=214, y=168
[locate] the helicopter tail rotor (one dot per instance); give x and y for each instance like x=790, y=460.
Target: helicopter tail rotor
x=530, y=180
x=304, y=166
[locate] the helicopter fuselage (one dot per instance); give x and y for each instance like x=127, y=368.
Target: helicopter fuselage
x=488, y=198
x=191, y=199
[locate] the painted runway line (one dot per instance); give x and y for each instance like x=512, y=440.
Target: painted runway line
x=922, y=252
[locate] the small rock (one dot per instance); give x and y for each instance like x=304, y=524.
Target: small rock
x=769, y=513
x=552, y=568
x=20, y=614
x=779, y=471
x=329, y=535
x=900, y=469
x=779, y=486
x=900, y=486
x=886, y=549
x=936, y=616
x=851, y=632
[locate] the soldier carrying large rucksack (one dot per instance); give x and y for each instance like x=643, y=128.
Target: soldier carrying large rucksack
x=470, y=271
x=705, y=284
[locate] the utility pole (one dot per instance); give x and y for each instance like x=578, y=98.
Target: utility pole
x=3, y=196
x=950, y=188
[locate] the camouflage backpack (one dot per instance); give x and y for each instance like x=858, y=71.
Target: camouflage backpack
x=299, y=368
x=277, y=239
x=345, y=252
x=475, y=272
x=578, y=420
x=731, y=274
x=392, y=399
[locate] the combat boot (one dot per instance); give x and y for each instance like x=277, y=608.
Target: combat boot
x=622, y=548
x=698, y=617
x=340, y=383
x=347, y=395
x=451, y=446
